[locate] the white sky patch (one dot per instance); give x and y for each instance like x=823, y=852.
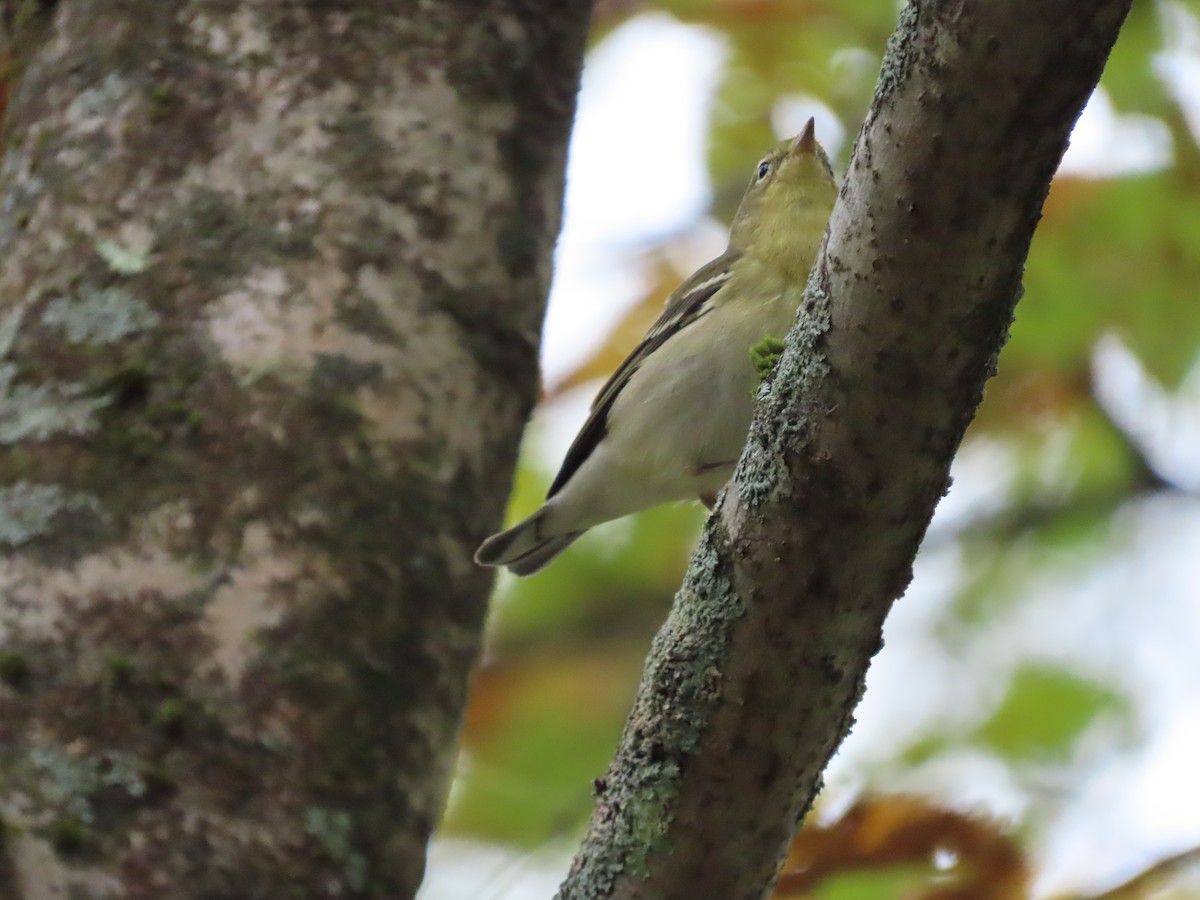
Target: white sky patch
x=459, y=868
x=1136, y=618
x=792, y=112
x=1105, y=144
x=1178, y=66
x=1165, y=425
x=1152, y=797
x=636, y=170
x=982, y=473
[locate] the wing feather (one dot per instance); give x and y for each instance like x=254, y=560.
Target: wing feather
x=690, y=301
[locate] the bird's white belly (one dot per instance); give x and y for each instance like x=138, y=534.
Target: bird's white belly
x=677, y=428
x=688, y=415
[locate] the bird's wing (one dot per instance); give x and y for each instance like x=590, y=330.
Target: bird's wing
x=690, y=301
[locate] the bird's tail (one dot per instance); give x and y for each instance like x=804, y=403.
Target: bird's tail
x=522, y=548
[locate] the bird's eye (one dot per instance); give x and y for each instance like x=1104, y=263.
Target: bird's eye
x=764, y=169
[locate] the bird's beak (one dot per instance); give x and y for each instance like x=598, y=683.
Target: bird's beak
x=806, y=141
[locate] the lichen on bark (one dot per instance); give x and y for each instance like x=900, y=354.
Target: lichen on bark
x=273, y=282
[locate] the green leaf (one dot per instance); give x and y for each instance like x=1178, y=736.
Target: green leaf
x=1045, y=711
x=890, y=883
x=1125, y=258
x=1082, y=457
x=551, y=727
x=1128, y=76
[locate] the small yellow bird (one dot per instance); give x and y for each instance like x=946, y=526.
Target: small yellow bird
x=670, y=423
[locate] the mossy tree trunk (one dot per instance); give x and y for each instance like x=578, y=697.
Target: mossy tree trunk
x=272, y=282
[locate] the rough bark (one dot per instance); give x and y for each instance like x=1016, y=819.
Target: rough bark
x=273, y=278
x=752, y=682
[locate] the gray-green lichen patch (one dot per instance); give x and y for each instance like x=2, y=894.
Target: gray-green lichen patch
x=780, y=424
x=22, y=190
x=99, y=316
x=98, y=105
x=647, y=812
x=122, y=260
x=679, y=690
x=898, y=58
x=9, y=328
x=70, y=781
x=41, y=411
x=333, y=828
x=28, y=511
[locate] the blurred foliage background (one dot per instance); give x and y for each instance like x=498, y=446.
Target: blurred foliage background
x=1032, y=725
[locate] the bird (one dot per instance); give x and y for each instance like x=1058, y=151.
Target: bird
x=670, y=423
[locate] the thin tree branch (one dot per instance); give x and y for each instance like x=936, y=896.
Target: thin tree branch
x=752, y=682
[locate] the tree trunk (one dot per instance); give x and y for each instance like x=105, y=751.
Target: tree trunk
x=273, y=280
x=752, y=682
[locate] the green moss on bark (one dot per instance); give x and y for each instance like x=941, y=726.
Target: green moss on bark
x=681, y=683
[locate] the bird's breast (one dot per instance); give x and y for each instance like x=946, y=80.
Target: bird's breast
x=690, y=407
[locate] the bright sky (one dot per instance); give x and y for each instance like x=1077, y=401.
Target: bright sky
x=637, y=172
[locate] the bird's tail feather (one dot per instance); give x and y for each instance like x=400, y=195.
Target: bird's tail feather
x=540, y=555
x=522, y=548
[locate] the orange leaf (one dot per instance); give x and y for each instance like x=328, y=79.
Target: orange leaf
x=890, y=831
x=1067, y=195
